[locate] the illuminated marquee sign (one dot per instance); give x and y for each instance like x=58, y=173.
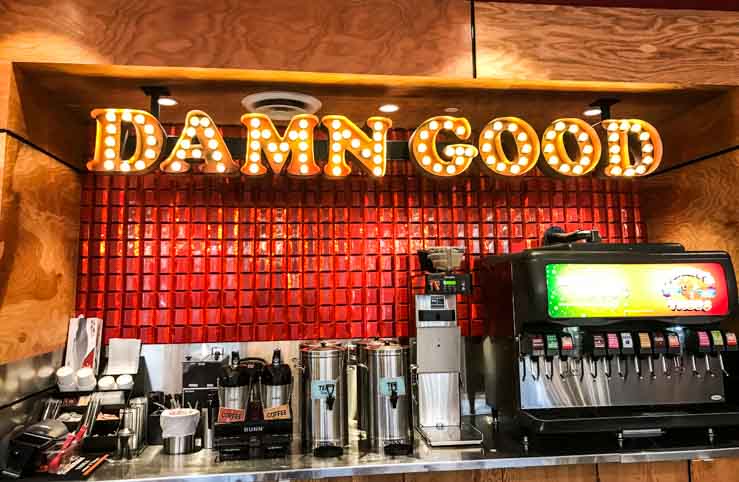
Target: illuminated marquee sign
x=568, y=147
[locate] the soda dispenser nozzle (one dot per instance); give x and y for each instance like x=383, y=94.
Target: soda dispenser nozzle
x=551, y=350
x=532, y=349
x=566, y=352
x=627, y=350
x=644, y=350
x=674, y=350
x=613, y=350
x=659, y=349
x=719, y=345
x=700, y=344
x=597, y=349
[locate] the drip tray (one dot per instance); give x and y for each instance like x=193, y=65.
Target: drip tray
x=451, y=436
x=573, y=420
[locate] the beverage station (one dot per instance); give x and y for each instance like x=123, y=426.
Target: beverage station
x=624, y=340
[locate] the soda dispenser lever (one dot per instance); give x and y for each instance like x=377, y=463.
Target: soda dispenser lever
x=533, y=349
x=613, y=350
x=730, y=345
x=718, y=346
x=644, y=350
x=674, y=349
x=551, y=350
x=597, y=350
x=627, y=350
x=700, y=344
x=567, y=351
x=659, y=348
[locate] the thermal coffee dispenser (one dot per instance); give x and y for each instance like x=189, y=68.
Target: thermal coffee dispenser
x=613, y=338
x=438, y=352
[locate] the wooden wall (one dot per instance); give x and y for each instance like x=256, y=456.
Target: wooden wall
x=39, y=227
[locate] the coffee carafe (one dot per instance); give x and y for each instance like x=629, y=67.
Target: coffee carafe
x=233, y=385
x=277, y=382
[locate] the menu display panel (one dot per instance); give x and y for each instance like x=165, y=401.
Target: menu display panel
x=577, y=290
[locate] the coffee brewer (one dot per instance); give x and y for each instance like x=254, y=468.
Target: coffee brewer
x=438, y=351
x=612, y=338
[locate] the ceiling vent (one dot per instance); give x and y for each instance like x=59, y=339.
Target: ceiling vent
x=281, y=106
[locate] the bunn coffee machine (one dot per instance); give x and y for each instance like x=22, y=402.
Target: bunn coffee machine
x=438, y=345
x=611, y=337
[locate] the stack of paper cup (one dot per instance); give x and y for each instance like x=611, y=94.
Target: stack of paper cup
x=86, y=379
x=66, y=379
x=107, y=383
x=124, y=382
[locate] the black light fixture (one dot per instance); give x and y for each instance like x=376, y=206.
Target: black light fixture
x=158, y=96
x=600, y=107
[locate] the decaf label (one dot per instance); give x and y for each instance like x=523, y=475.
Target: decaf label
x=507, y=146
x=322, y=389
x=388, y=385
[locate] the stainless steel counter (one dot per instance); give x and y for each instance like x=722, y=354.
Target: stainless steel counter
x=500, y=451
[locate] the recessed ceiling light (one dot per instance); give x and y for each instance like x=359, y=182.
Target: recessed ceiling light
x=451, y=110
x=592, y=112
x=167, y=101
x=387, y=108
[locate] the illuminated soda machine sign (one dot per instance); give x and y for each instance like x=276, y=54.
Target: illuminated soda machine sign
x=636, y=290
x=201, y=147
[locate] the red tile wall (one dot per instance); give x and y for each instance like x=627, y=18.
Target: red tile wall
x=190, y=258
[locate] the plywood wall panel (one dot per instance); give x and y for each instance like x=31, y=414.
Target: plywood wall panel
x=557, y=42
x=696, y=206
x=39, y=228
x=674, y=471
x=423, y=37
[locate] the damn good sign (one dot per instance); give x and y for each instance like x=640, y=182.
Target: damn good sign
x=201, y=146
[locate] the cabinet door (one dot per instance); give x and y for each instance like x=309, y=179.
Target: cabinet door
x=723, y=470
x=645, y=472
x=563, y=473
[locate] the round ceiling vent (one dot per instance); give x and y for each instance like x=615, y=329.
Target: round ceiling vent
x=281, y=106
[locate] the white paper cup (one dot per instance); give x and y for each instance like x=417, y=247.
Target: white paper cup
x=107, y=383
x=65, y=376
x=124, y=382
x=86, y=378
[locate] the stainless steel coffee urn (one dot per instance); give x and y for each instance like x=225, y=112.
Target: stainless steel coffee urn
x=324, y=399
x=389, y=414
x=363, y=390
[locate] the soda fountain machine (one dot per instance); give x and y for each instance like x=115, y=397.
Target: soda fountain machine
x=613, y=338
